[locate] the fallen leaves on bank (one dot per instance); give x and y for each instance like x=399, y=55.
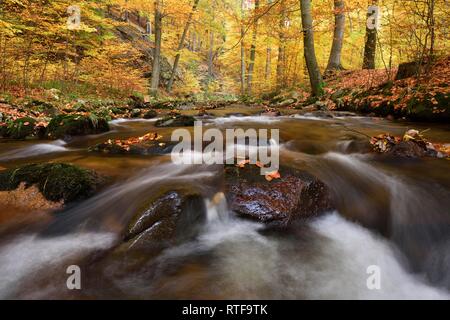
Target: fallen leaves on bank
x=411, y=144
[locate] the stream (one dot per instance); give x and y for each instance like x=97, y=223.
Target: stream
x=390, y=213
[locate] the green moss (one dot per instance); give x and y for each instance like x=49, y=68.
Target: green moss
x=56, y=181
x=20, y=128
x=425, y=110
x=74, y=125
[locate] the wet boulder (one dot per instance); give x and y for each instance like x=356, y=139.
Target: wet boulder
x=167, y=217
x=76, y=125
x=407, y=149
x=295, y=195
x=56, y=181
x=176, y=121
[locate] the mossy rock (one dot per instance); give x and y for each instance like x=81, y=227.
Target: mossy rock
x=150, y=114
x=425, y=110
x=176, y=121
x=76, y=125
x=20, y=128
x=56, y=181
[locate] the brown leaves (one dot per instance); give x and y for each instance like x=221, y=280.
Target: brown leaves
x=125, y=144
x=385, y=142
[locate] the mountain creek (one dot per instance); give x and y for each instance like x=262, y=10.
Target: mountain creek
x=158, y=230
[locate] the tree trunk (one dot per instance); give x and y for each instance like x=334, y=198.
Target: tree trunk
x=281, y=62
x=371, y=38
x=334, y=62
x=242, y=51
x=181, y=45
x=156, y=70
x=315, y=77
x=267, y=71
x=211, y=55
x=251, y=65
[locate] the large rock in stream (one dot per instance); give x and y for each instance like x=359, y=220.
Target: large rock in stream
x=75, y=125
x=166, y=218
x=295, y=195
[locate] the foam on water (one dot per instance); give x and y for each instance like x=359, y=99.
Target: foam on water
x=35, y=150
x=27, y=254
x=250, y=119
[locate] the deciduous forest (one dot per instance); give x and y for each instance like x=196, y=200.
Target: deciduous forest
x=224, y=149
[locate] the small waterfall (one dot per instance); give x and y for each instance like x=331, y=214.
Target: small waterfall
x=217, y=208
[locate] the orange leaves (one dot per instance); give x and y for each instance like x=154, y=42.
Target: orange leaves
x=125, y=144
x=269, y=176
x=242, y=163
x=272, y=175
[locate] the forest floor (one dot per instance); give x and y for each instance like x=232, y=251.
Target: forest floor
x=425, y=98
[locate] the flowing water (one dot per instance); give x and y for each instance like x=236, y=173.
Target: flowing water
x=390, y=213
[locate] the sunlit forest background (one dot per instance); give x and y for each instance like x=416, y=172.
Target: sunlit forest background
x=110, y=53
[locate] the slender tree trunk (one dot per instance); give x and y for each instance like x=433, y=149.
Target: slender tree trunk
x=267, y=71
x=211, y=55
x=156, y=70
x=181, y=45
x=315, y=77
x=334, y=62
x=281, y=62
x=242, y=50
x=371, y=39
x=251, y=65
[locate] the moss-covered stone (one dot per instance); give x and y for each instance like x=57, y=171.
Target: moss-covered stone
x=150, y=114
x=176, y=121
x=431, y=108
x=56, y=181
x=20, y=128
x=75, y=125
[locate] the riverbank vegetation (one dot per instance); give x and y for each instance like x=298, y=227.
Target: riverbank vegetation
x=93, y=56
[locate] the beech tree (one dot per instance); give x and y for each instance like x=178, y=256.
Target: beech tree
x=251, y=64
x=334, y=62
x=181, y=45
x=315, y=76
x=371, y=36
x=156, y=69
